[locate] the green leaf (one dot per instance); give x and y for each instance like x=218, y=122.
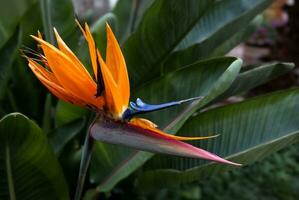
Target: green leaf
x=59, y=137
x=138, y=11
x=123, y=13
x=124, y=161
x=59, y=14
x=128, y=14
x=249, y=130
x=66, y=112
x=242, y=35
x=162, y=28
x=47, y=20
x=7, y=55
x=190, y=81
x=214, y=29
x=28, y=167
x=31, y=23
x=252, y=78
x=99, y=31
x=11, y=13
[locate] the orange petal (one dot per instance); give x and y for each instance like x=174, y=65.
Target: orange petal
x=92, y=47
x=54, y=88
x=117, y=65
x=67, y=73
x=39, y=35
x=68, y=52
x=92, y=50
x=146, y=124
x=111, y=94
x=45, y=73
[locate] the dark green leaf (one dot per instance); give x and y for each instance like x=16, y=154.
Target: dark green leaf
x=240, y=36
x=128, y=14
x=162, y=28
x=60, y=136
x=220, y=23
x=190, y=81
x=252, y=78
x=7, y=55
x=11, y=13
x=59, y=14
x=66, y=112
x=28, y=167
x=249, y=131
x=123, y=13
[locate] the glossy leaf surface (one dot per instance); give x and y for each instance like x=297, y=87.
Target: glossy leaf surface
x=29, y=169
x=249, y=130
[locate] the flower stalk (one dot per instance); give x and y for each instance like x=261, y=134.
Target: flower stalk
x=84, y=163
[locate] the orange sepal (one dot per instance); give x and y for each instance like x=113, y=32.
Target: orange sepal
x=92, y=47
x=50, y=82
x=112, y=96
x=68, y=52
x=69, y=75
x=117, y=65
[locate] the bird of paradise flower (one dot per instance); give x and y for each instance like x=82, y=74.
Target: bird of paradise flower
x=108, y=93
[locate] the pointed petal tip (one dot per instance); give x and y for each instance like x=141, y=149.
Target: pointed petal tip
x=108, y=26
x=22, y=53
x=109, y=30
x=38, y=39
x=233, y=163
x=55, y=30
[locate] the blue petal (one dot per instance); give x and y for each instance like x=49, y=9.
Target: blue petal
x=144, y=107
x=141, y=107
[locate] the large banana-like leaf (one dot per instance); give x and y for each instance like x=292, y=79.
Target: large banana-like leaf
x=230, y=42
x=59, y=14
x=191, y=81
x=164, y=24
x=66, y=113
x=28, y=167
x=215, y=28
x=117, y=162
x=7, y=55
x=249, y=130
x=128, y=14
x=8, y=20
x=59, y=137
x=256, y=76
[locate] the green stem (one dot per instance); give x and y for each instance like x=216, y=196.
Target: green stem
x=85, y=160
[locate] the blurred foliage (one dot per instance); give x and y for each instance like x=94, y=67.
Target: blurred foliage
x=174, y=50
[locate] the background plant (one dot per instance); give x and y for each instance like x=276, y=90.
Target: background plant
x=174, y=50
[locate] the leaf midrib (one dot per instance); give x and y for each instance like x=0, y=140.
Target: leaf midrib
x=10, y=182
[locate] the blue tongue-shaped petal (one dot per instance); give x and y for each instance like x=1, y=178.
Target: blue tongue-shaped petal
x=142, y=107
